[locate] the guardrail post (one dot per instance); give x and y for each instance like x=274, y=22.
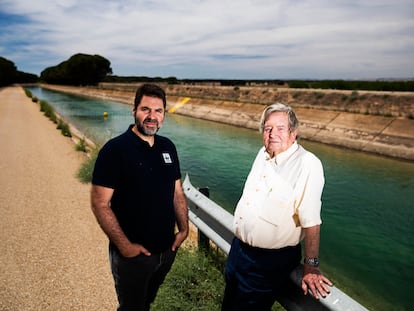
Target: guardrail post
x=202, y=240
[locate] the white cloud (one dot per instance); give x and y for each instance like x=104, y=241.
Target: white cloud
x=216, y=38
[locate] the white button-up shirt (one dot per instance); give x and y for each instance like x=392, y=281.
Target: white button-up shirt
x=281, y=196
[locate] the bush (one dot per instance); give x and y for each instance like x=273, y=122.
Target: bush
x=81, y=145
x=28, y=93
x=48, y=110
x=64, y=128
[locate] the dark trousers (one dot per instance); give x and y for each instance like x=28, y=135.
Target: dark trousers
x=255, y=275
x=138, y=279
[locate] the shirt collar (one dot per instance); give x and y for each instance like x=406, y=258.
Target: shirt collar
x=283, y=156
x=138, y=139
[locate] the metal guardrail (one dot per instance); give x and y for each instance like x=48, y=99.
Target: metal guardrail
x=216, y=224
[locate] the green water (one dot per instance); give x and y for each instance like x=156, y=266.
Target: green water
x=367, y=236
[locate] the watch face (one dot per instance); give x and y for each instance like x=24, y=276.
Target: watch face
x=312, y=261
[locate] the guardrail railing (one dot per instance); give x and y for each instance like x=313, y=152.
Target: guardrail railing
x=215, y=223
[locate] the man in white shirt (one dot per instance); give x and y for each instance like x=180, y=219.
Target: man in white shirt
x=280, y=206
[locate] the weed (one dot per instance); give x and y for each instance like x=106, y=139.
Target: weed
x=81, y=145
x=64, y=128
x=85, y=171
x=28, y=93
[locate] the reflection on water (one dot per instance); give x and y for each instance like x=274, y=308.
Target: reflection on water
x=367, y=236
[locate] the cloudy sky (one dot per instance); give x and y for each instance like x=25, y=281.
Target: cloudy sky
x=216, y=39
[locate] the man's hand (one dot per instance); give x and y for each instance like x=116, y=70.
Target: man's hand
x=134, y=250
x=315, y=281
x=179, y=239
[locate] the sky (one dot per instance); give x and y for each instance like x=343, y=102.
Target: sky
x=216, y=39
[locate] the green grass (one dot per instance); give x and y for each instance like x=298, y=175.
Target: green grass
x=28, y=93
x=194, y=283
x=81, y=145
x=85, y=171
x=64, y=128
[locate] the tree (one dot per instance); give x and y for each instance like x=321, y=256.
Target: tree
x=8, y=72
x=79, y=69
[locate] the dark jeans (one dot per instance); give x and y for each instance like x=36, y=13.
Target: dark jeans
x=255, y=275
x=138, y=279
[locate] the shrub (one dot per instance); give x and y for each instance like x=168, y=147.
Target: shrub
x=64, y=128
x=81, y=145
x=48, y=110
x=28, y=93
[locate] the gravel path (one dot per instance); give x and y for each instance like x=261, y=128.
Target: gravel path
x=53, y=255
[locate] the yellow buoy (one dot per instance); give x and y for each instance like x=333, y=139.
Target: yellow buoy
x=105, y=114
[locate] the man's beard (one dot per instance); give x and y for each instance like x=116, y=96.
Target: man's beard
x=146, y=130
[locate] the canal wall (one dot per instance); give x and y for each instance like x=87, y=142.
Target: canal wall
x=387, y=133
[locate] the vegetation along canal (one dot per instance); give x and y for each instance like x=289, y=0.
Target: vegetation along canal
x=367, y=238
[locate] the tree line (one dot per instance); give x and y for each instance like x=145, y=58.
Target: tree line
x=83, y=69
x=79, y=69
x=377, y=85
x=9, y=74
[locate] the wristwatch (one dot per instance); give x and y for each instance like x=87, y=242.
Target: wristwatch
x=311, y=261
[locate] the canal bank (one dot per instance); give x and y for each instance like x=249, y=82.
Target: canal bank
x=391, y=136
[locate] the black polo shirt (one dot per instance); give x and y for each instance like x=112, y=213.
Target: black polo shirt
x=143, y=179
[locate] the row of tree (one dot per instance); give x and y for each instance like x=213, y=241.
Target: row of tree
x=79, y=69
x=378, y=85
x=9, y=74
x=84, y=69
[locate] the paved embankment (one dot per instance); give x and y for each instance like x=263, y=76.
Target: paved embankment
x=389, y=136
x=53, y=255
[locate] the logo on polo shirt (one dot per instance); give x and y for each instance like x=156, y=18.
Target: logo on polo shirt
x=167, y=158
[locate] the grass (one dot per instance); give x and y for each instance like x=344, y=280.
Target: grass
x=194, y=283
x=81, y=145
x=64, y=128
x=85, y=171
x=48, y=110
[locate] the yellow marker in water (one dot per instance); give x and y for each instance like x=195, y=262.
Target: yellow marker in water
x=179, y=104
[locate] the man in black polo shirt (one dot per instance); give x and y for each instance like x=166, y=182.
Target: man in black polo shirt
x=137, y=199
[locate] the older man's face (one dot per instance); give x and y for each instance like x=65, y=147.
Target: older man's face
x=276, y=135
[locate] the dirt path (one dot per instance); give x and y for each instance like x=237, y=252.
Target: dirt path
x=53, y=255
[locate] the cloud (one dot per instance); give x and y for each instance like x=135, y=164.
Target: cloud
x=247, y=39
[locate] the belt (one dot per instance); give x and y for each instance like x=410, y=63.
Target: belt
x=258, y=250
